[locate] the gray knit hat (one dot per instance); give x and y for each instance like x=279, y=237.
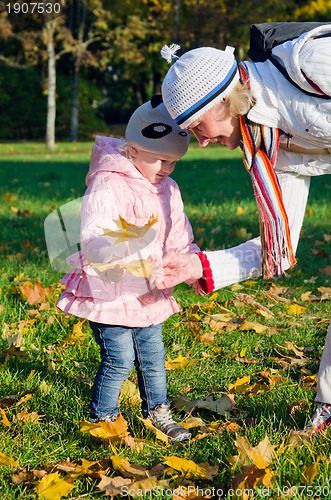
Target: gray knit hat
x=152, y=129
x=197, y=81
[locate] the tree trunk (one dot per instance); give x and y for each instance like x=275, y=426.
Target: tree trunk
x=79, y=16
x=51, y=98
x=74, y=104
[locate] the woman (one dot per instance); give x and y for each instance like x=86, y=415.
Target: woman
x=280, y=129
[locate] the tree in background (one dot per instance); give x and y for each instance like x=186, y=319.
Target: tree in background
x=110, y=49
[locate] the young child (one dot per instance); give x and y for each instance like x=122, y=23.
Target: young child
x=132, y=214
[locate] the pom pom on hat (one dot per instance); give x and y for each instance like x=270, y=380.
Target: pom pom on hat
x=168, y=53
x=152, y=129
x=197, y=81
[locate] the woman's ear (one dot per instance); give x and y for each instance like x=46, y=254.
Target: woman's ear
x=133, y=151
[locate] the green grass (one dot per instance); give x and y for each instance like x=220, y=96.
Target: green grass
x=58, y=373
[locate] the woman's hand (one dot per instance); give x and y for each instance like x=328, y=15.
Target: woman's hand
x=177, y=268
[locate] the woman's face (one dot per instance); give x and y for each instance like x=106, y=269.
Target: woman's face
x=217, y=125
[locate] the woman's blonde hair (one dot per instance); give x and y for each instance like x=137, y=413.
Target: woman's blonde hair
x=240, y=100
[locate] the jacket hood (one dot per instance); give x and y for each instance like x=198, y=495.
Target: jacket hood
x=107, y=157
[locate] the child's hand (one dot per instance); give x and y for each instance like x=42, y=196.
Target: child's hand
x=175, y=269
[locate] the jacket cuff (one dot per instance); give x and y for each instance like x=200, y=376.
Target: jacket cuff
x=207, y=282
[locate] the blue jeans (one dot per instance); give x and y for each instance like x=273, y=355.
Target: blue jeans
x=120, y=347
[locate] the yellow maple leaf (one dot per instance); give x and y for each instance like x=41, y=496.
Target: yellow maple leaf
x=240, y=385
x=159, y=434
x=252, y=325
x=296, y=309
x=125, y=468
x=190, y=469
x=114, y=431
x=53, y=487
x=176, y=364
x=8, y=460
x=4, y=420
x=261, y=455
x=127, y=231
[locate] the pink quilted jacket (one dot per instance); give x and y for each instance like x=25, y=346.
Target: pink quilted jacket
x=115, y=295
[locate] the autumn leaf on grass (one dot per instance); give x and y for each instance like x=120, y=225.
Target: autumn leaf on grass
x=4, y=460
x=326, y=293
x=27, y=476
x=127, y=231
x=113, y=486
x=177, y=364
x=86, y=468
x=4, y=420
x=240, y=385
x=326, y=270
x=190, y=469
x=77, y=336
x=296, y=308
x=252, y=325
x=119, y=486
x=222, y=406
x=53, y=487
x=35, y=294
x=261, y=455
x=25, y=417
x=130, y=390
x=311, y=472
x=249, y=478
x=219, y=321
x=114, y=431
x=125, y=468
x=159, y=434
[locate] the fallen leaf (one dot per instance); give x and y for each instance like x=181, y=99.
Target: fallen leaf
x=130, y=390
x=114, y=431
x=176, y=364
x=159, y=434
x=35, y=294
x=240, y=385
x=296, y=309
x=7, y=460
x=222, y=406
x=4, y=420
x=311, y=471
x=326, y=270
x=261, y=455
x=252, y=325
x=113, y=486
x=53, y=487
x=125, y=468
x=243, y=234
x=190, y=469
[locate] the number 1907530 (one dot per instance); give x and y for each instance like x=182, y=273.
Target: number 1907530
x=33, y=8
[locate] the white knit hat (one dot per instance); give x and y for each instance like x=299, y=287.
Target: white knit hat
x=197, y=81
x=152, y=129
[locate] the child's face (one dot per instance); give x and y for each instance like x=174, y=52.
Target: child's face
x=153, y=166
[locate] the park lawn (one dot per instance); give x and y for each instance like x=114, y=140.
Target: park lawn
x=259, y=364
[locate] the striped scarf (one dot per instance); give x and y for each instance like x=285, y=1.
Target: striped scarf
x=260, y=147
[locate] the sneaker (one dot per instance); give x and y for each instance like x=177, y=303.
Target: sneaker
x=320, y=420
x=106, y=418
x=161, y=419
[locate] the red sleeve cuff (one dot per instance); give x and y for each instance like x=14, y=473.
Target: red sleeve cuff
x=207, y=282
